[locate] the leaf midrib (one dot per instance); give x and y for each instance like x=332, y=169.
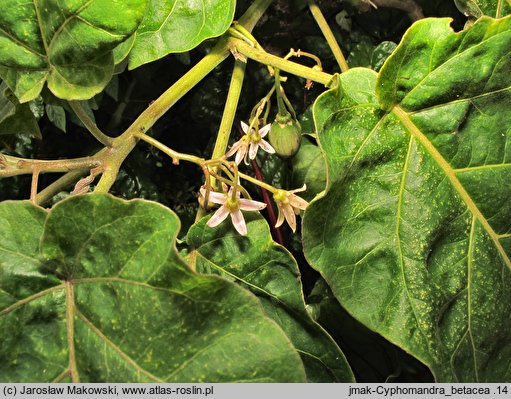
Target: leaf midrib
x=451, y=175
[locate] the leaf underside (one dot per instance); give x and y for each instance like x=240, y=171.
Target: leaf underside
x=414, y=233
x=94, y=290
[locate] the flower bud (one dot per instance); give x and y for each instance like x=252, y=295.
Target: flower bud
x=285, y=135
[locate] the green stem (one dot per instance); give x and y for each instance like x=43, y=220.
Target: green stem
x=13, y=166
x=258, y=182
x=253, y=14
x=278, y=89
x=329, y=36
x=125, y=143
x=114, y=157
x=161, y=105
x=231, y=104
x=58, y=185
x=176, y=156
x=89, y=124
x=280, y=63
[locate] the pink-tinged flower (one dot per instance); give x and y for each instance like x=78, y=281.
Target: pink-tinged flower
x=289, y=205
x=240, y=148
x=253, y=139
x=231, y=205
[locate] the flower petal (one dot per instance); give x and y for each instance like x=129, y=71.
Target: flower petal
x=217, y=198
x=251, y=205
x=297, y=202
x=240, y=154
x=264, y=130
x=235, y=147
x=290, y=216
x=214, y=197
x=297, y=190
x=239, y=222
x=244, y=126
x=266, y=146
x=253, y=150
x=218, y=217
x=280, y=219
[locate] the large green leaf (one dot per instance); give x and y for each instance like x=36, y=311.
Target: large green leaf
x=96, y=289
x=258, y=263
x=174, y=26
x=413, y=234
x=67, y=44
x=478, y=8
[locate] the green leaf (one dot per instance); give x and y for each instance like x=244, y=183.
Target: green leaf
x=57, y=115
x=16, y=118
x=413, y=232
x=38, y=44
x=371, y=357
x=270, y=272
x=123, y=50
x=173, y=26
x=478, y=8
x=381, y=53
x=309, y=169
x=97, y=291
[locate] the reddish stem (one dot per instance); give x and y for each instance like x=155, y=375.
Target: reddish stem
x=275, y=231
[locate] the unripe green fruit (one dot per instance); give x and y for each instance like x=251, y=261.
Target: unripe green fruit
x=285, y=136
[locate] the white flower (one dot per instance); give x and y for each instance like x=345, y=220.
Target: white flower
x=289, y=204
x=231, y=205
x=254, y=140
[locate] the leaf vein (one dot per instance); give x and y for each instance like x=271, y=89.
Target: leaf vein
x=115, y=348
x=451, y=175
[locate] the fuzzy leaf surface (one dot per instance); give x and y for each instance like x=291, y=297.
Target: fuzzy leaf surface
x=413, y=234
x=269, y=271
x=66, y=44
x=175, y=26
x=96, y=290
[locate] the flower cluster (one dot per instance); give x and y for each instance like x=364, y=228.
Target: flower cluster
x=230, y=201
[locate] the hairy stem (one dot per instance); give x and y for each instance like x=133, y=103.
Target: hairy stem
x=258, y=182
x=231, y=104
x=89, y=124
x=254, y=13
x=58, y=185
x=176, y=156
x=33, y=188
x=13, y=166
x=224, y=131
x=280, y=63
x=329, y=36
